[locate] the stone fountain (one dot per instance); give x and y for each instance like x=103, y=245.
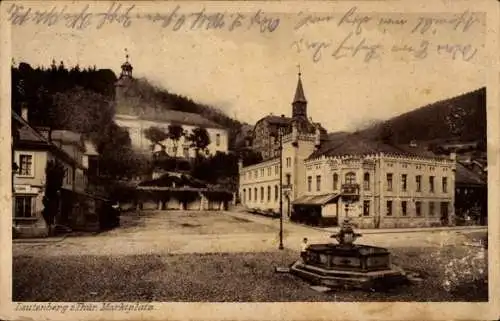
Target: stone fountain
x=347, y=264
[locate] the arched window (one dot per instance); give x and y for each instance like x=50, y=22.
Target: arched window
x=350, y=178
x=335, y=181
x=276, y=192
x=249, y=194
x=269, y=193
x=366, y=181
x=261, y=194
x=255, y=194
x=244, y=196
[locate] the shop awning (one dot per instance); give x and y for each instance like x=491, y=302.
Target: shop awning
x=316, y=199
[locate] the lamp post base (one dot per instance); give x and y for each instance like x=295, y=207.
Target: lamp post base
x=281, y=247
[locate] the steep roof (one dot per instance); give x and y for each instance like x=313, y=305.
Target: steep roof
x=299, y=92
x=357, y=146
x=179, y=117
x=467, y=177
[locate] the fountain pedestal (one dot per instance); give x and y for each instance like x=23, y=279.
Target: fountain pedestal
x=348, y=265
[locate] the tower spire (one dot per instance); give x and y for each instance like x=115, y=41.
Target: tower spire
x=299, y=91
x=126, y=66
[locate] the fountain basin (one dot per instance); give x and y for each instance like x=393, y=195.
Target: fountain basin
x=360, y=266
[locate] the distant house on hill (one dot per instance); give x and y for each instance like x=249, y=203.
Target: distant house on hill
x=136, y=116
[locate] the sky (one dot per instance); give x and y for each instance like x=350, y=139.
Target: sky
x=250, y=74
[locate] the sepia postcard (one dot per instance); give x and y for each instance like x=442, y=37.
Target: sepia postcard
x=250, y=160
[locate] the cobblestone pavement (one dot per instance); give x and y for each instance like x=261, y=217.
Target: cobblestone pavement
x=179, y=232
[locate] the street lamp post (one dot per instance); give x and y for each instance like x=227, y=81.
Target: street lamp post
x=280, y=132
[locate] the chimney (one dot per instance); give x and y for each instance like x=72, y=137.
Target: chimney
x=317, y=138
x=295, y=134
x=24, y=112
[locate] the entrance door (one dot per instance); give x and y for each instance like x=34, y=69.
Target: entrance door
x=444, y=213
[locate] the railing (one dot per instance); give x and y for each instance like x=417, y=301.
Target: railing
x=350, y=189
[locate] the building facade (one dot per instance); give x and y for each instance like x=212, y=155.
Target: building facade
x=379, y=187
x=299, y=138
x=33, y=150
x=136, y=116
x=136, y=126
x=375, y=184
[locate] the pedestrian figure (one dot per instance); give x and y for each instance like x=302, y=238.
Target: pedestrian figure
x=303, y=250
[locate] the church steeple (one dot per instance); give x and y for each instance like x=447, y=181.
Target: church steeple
x=299, y=103
x=126, y=67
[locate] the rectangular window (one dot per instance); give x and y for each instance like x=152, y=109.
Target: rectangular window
x=404, y=182
x=25, y=165
x=444, y=210
x=261, y=172
x=255, y=173
x=217, y=140
x=276, y=193
x=366, y=208
x=276, y=170
x=335, y=182
x=24, y=206
x=445, y=184
x=366, y=182
x=288, y=179
x=318, y=183
x=431, y=209
x=269, y=171
x=186, y=152
x=288, y=161
x=431, y=184
x=404, y=206
x=389, y=208
x=389, y=182
x=309, y=183
x=418, y=180
x=418, y=208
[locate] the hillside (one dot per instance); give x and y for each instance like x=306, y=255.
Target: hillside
x=458, y=119
x=142, y=93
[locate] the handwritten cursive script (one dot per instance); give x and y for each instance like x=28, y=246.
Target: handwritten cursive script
x=125, y=15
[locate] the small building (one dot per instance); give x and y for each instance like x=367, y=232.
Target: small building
x=33, y=149
x=471, y=196
x=176, y=191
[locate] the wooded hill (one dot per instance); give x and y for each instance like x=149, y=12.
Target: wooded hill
x=458, y=119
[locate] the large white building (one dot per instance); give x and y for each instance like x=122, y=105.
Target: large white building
x=133, y=115
x=375, y=184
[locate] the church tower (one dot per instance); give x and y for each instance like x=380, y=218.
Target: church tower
x=122, y=85
x=299, y=103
